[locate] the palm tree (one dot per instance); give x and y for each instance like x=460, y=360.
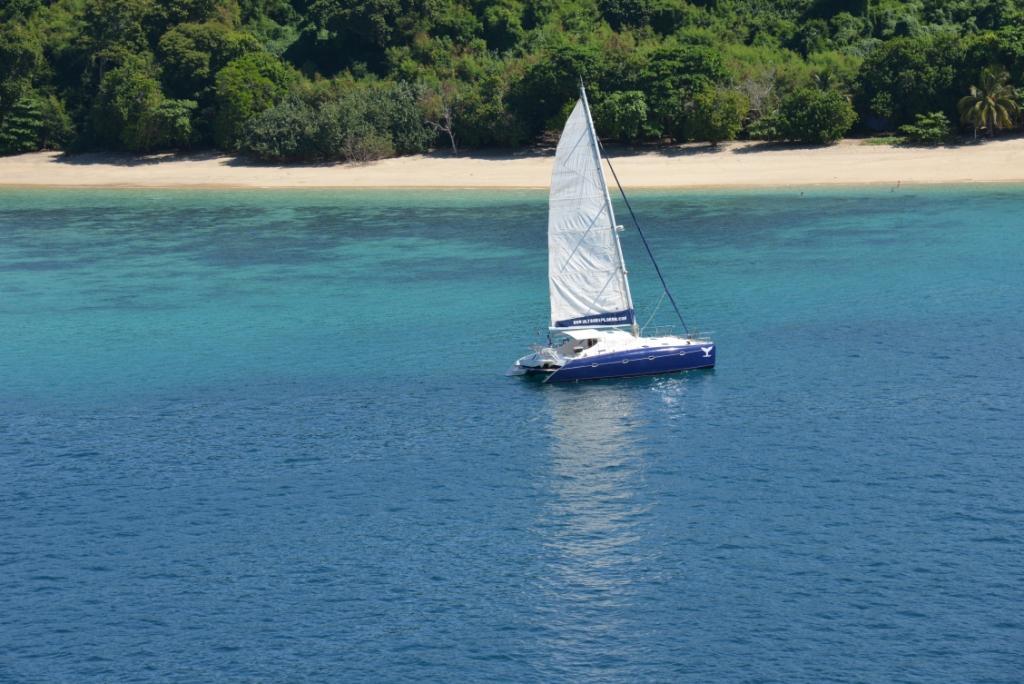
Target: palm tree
x=992, y=105
x=826, y=79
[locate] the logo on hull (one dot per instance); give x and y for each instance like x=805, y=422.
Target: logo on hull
x=707, y=351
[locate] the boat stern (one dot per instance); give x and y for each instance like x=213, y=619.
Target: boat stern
x=544, y=360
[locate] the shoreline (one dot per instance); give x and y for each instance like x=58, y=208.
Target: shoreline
x=766, y=187
x=738, y=165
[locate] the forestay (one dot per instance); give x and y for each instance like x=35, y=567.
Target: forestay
x=585, y=268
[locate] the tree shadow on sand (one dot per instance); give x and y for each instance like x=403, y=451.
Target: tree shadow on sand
x=769, y=146
x=684, y=150
x=131, y=160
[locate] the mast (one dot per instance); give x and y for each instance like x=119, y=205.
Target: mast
x=595, y=143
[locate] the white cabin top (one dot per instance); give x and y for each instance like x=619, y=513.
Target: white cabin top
x=592, y=333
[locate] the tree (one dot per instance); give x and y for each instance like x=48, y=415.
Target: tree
x=245, y=87
x=122, y=113
x=979, y=14
x=440, y=102
x=370, y=23
x=511, y=66
x=351, y=122
x=848, y=29
x=622, y=115
x=485, y=118
x=668, y=16
x=179, y=11
x=132, y=113
x=58, y=130
x=620, y=13
x=547, y=85
x=192, y=54
x=173, y=122
x=928, y=129
x=768, y=126
x=453, y=20
x=118, y=24
x=21, y=56
x=812, y=36
x=670, y=76
x=816, y=116
x=393, y=111
x=717, y=114
x=992, y=105
x=351, y=31
x=907, y=76
x=290, y=131
x=20, y=127
x=503, y=23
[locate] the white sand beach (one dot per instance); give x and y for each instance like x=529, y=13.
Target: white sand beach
x=738, y=164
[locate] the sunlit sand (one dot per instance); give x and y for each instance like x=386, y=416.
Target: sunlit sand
x=851, y=162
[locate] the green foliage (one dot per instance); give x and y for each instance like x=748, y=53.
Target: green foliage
x=552, y=81
x=482, y=115
x=357, y=31
x=245, y=87
x=768, y=126
x=928, y=129
x=392, y=110
x=670, y=76
x=812, y=36
x=131, y=112
x=122, y=114
x=815, y=116
x=669, y=16
x=154, y=74
x=975, y=14
x=908, y=76
x=503, y=23
x=991, y=106
x=849, y=30
x=191, y=54
x=20, y=127
x=622, y=115
x=172, y=120
x=180, y=11
x=118, y=24
x=621, y=13
x=357, y=124
x=21, y=56
x=290, y=131
x=453, y=20
x=717, y=114
x=371, y=22
x=35, y=122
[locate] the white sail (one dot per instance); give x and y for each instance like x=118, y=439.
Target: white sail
x=585, y=268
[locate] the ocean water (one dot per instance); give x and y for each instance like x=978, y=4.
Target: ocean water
x=266, y=436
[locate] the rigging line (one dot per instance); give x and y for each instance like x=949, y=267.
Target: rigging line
x=642, y=238
x=654, y=312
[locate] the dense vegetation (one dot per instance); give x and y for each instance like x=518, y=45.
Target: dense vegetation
x=362, y=79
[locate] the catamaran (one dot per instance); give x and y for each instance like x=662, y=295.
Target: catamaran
x=594, y=333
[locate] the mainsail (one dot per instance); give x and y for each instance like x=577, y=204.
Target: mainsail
x=585, y=267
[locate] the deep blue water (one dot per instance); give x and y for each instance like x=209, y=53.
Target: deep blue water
x=265, y=436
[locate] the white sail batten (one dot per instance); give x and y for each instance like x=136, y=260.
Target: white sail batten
x=586, y=272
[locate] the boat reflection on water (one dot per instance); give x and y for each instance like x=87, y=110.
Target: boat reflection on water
x=593, y=518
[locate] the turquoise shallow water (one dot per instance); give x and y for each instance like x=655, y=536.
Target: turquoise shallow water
x=265, y=436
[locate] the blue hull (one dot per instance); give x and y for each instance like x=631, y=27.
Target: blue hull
x=636, y=362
